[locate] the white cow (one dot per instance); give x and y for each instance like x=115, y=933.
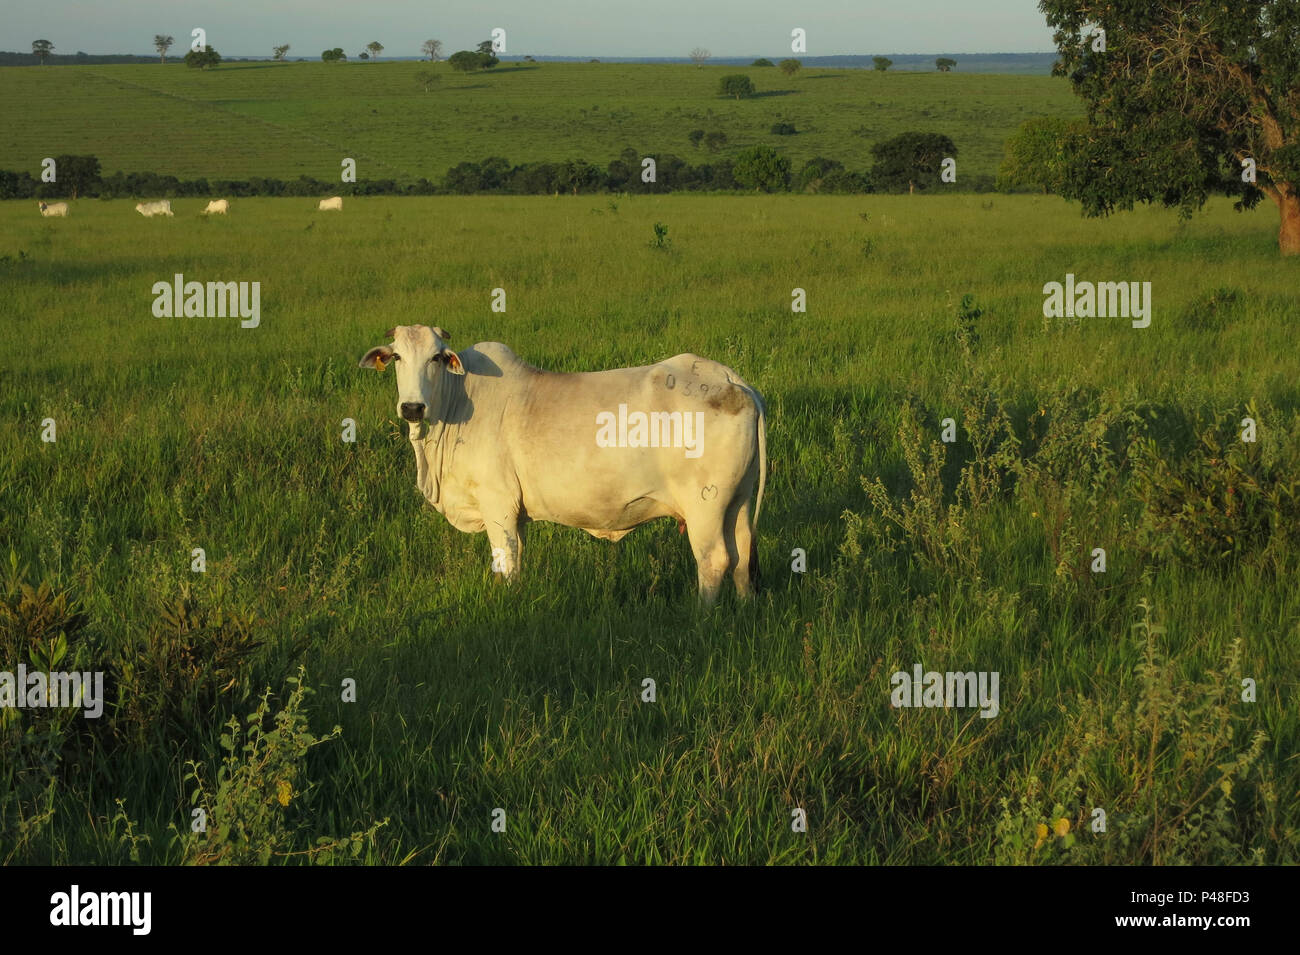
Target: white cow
x=499, y=443
x=54, y=208
x=334, y=202
x=217, y=207
x=163, y=207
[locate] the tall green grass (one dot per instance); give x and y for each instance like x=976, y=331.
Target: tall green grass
x=183, y=433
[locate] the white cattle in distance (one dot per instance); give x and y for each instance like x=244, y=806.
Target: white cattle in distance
x=163, y=207
x=334, y=202
x=53, y=208
x=499, y=443
x=217, y=207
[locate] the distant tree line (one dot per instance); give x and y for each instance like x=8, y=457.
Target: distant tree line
x=905, y=163
x=8, y=58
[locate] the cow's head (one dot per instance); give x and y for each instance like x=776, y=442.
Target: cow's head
x=422, y=360
x=43, y=206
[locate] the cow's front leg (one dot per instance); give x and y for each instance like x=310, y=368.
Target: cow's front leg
x=506, y=537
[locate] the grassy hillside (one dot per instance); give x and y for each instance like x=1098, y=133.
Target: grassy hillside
x=283, y=120
x=471, y=696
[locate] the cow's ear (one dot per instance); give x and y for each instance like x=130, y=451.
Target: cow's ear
x=376, y=358
x=444, y=335
x=452, y=361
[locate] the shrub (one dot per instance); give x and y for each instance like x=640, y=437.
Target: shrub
x=40, y=626
x=737, y=85
x=1169, y=764
x=173, y=677
x=762, y=168
x=1034, y=155
x=264, y=773
x=1225, y=498
x=815, y=170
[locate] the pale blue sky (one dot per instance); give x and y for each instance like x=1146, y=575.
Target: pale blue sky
x=539, y=27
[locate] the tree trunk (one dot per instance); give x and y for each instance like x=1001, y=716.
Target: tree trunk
x=1288, y=235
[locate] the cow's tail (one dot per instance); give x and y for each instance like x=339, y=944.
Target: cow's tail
x=754, y=575
x=762, y=458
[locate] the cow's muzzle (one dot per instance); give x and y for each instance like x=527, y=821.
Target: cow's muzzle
x=413, y=410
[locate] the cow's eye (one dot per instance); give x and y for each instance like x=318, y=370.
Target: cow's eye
x=396, y=357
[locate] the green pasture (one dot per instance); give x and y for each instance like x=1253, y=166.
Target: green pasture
x=282, y=120
x=472, y=695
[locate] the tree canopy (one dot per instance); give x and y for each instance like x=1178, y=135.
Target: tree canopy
x=1184, y=100
x=203, y=59
x=466, y=61
x=910, y=161
x=761, y=168
x=77, y=173
x=736, y=84
x=1035, y=155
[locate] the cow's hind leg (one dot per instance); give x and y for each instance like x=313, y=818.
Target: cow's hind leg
x=745, y=562
x=709, y=544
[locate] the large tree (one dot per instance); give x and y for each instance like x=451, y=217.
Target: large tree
x=432, y=49
x=761, y=168
x=699, y=55
x=42, y=48
x=467, y=61
x=278, y=52
x=736, y=84
x=910, y=161
x=203, y=59
x=375, y=48
x=162, y=43
x=77, y=174
x=1035, y=154
x=1184, y=99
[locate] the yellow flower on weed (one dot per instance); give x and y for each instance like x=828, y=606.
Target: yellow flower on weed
x=1042, y=835
x=285, y=792
x=1062, y=827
